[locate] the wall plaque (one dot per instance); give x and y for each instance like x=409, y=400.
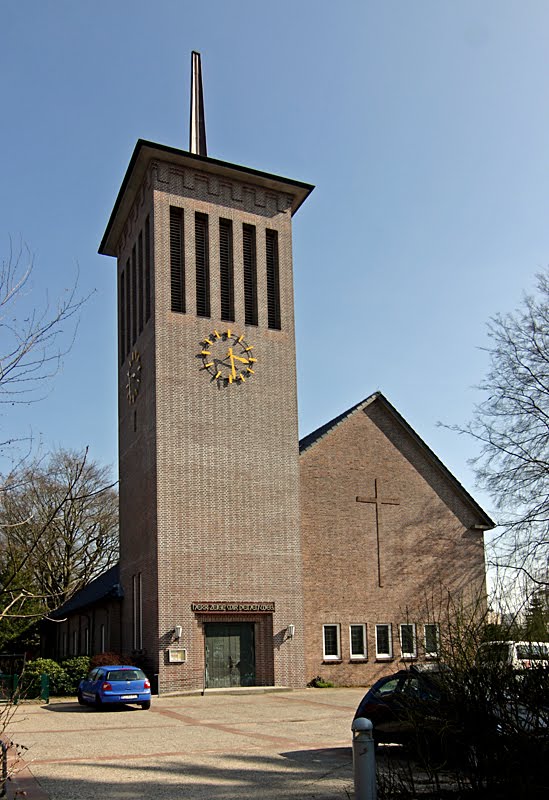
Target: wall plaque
x=221, y=607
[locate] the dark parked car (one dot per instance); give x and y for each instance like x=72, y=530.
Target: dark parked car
x=396, y=703
x=115, y=685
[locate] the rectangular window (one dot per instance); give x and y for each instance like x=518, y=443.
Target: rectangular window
x=122, y=317
x=431, y=640
x=250, y=274
x=64, y=645
x=86, y=641
x=226, y=269
x=103, y=642
x=357, y=638
x=137, y=603
x=331, y=643
x=140, y=279
x=273, y=281
x=202, y=251
x=74, y=643
x=384, y=641
x=177, y=260
x=147, y=270
x=408, y=640
x=134, y=296
x=128, y=309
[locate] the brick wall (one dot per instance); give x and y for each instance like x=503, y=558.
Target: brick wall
x=209, y=492
x=427, y=545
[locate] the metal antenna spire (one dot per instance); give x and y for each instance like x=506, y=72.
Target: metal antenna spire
x=197, y=133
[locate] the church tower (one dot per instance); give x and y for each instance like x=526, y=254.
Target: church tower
x=210, y=557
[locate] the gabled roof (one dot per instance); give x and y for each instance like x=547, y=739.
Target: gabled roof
x=107, y=585
x=486, y=523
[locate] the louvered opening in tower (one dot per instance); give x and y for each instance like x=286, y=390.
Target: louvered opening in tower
x=250, y=274
x=122, y=317
x=147, y=270
x=226, y=269
x=202, y=265
x=177, y=260
x=273, y=280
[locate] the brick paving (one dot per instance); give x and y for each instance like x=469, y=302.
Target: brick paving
x=285, y=745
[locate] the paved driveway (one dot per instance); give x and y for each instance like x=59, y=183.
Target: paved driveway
x=273, y=746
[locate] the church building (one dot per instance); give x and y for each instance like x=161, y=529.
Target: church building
x=248, y=558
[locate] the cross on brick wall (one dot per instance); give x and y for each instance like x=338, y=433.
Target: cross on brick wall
x=378, y=502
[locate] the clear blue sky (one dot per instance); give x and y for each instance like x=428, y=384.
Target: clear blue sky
x=424, y=126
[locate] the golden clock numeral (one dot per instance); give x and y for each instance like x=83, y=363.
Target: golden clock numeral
x=207, y=341
x=210, y=364
x=205, y=353
x=217, y=375
x=242, y=378
x=217, y=335
x=228, y=334
x=239, y=339
x=252, y=360
x=250, y=347
x=249, y=369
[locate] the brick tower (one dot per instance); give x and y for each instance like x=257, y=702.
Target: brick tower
x=208, y=443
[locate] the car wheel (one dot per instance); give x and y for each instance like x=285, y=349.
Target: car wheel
x=146, y=705
x=80, y=698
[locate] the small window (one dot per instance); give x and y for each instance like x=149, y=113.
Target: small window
x=177, y=260
x=128, y=309
x=202, y=253
x=431, y=639
x=134, y=295
x=384, y=643
x=147, y=270
x=273, y=281
x=250, y=274
x=226, y=269
x=357, y=637
x=331, y=643
x=140, y=281
x=122, y=316
x=408, y=640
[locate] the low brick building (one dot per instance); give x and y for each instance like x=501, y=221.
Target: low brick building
x=387, y=535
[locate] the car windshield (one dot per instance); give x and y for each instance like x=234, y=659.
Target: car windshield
x=125, y=675
x=533, y=652
x=491, y=653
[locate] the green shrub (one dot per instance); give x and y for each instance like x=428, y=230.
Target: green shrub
x=59, y=680
x=75, y=668
x=320, y=683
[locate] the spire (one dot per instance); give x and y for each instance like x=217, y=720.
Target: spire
x=197, y=133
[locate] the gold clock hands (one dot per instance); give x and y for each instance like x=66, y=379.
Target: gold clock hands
x=232, y=357
x=243, y=360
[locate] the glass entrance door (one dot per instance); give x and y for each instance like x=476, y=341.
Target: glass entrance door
x=230, y=654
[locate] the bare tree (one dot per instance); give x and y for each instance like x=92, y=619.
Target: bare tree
x=34, y=337
x=58, y=531
x=512, y=426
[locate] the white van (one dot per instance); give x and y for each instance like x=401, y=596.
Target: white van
x=518, y=655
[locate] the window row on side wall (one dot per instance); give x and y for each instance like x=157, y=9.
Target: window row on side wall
x=383, y=646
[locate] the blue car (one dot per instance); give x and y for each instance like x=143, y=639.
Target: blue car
x=115, y=685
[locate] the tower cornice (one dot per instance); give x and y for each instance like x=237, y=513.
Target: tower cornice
x=145, y=152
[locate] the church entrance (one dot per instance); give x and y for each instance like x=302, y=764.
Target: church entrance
x=230, y=654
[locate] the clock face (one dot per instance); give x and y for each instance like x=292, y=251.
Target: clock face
x=228, y=358
x=134, y=376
